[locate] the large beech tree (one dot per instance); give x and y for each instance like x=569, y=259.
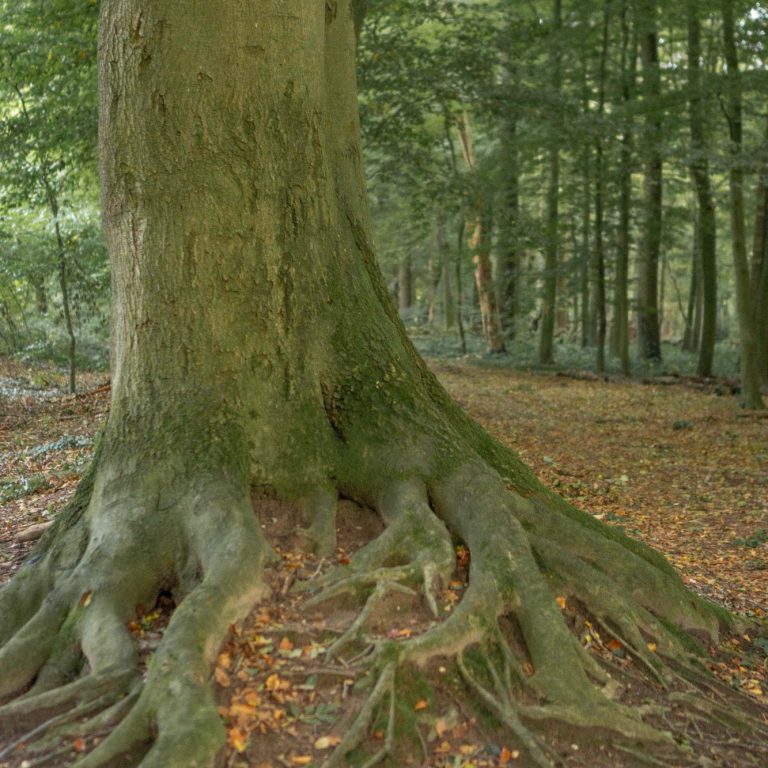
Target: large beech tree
x=254, y=344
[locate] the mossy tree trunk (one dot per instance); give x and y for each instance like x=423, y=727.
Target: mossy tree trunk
x=254, y=344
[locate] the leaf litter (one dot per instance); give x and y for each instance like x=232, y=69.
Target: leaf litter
x=698, y=493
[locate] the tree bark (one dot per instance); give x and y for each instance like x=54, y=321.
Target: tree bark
x=748, y=333
x=648, y=329
x=509, y=249
x=705, y=209
x=404, y=285
x=620, y=347
x=760, y=263
x=480, y=246
x=600, y=311
x=551, y=216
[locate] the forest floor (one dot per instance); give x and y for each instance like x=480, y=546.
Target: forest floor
x=673, y=462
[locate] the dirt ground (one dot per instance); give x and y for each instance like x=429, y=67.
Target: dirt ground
x=674, y=464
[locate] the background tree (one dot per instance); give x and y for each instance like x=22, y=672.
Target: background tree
x=47, y=183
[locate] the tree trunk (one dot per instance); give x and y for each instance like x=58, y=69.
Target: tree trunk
x=509, y=249
x=760, y=264
x=692, y=332
x=748, y=334
x=551, y=226
x=600, y=312
x=620, y=347
x=254, y=344
x=705, y=209
x=444, y=253
x=404, y=285
x=588, y=336
x=480, y=246
x=648, y=328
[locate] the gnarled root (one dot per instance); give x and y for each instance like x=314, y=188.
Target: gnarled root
x=75, y=655
x=520, y=563
x=415, y=551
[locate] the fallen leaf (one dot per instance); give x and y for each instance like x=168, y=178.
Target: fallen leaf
x=421, y=704
x=224, y=660
x=79, y=744
x=221, y=677
x=326, y=742
x=237, y=739
x=508, y=755
x=561, y=602
x=301, y=759
x=285, y=645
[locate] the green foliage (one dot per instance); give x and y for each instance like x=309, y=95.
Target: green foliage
x=49, y=221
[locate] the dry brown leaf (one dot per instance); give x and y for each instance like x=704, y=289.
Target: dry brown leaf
x=326, y=742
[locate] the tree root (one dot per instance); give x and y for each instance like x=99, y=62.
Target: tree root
x=77, y=658
x=519, y=565
x=74, y=667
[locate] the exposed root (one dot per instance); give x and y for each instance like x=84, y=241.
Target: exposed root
x=357, y=731
x=500, y=703
x=415, y=549
x=81, y=628
x=74, y=666
x=519, y=564
x=30, y=711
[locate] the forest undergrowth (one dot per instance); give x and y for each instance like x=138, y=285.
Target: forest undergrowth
x=678, y=466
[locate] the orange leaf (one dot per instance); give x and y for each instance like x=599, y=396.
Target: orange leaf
x=79, y=744
x=237, y=739
x=221, y=677
x=421, y=704
x=561, y=602
x=242, y=710
x=285, y=645
x=507, y=755
x=224, y=660
x=613, y=645
x=252, y=698
x=301, y=759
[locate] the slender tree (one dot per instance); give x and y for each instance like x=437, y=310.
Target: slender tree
x=600, y=310
x=748, y=333
x=620, y=346
x=551, y=227
x=760, y=263
x=648, y=327
x=705, y=230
